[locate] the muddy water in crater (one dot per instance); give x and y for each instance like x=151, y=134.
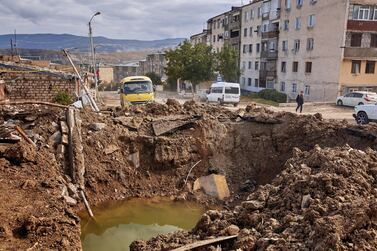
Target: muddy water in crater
x=118, y=224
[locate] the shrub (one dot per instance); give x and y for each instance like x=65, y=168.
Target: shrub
x=274, y=95
x=63, y=98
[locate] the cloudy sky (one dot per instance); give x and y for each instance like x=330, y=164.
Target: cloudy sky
x=128, y=19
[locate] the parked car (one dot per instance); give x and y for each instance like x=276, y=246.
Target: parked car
x=365, y=113
x=357, y=98
x=225, y=93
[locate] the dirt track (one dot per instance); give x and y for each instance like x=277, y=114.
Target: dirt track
x=125, y=159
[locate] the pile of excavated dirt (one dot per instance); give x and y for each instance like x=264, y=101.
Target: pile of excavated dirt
x=325, y=199
x=124, y=158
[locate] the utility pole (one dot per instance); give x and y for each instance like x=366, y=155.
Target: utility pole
x=93, y=52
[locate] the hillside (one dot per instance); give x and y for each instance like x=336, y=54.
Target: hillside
x=60, y=41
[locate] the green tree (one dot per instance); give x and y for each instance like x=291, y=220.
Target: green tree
x=194, y=63
x=156, y=79
x=227, y=64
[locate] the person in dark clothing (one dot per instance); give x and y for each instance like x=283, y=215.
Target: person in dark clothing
x=300, y=101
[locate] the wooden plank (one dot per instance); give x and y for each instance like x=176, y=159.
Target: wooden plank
x=205, y=243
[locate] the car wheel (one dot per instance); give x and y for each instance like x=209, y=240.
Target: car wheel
x=220, y=101
x=339, y=103
x=362, y=118
x=361, y=103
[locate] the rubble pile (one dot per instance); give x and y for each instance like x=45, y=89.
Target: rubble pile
x=325, y=199
x=152, y=150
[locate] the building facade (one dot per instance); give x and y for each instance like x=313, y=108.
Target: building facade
x=323, y=48
x=200, y=38
x=358, y=68
x=250, y=51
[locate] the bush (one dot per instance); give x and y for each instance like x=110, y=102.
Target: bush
x=274, y=95
x=63, y=98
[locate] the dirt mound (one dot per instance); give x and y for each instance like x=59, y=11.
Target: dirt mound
x=324, y=199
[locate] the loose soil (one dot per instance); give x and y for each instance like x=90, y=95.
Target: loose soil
x=296, y=181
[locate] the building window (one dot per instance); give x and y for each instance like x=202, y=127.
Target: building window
x=356, y=39
x=307, y=90
x=294, y=88
x=258, y=48
x=311, y=21
x=286, y=25
x=251, y=32
x=287, y=4
x=246, y=16
x=284, y=45
x=295, y=66
x=243, y=65
x=252, y=14
x=308, y=67
x=283, y=66
x=299, y=3
x=310, y=44
x=282, y=86
x=256, y=83
x=364, y=13
x=250, y=65
x=214, y=38
x=256, y=65
x=245, y=32
x=263, y=66
x=373, y=40
x=298, y=23
x=370, y=67
x=296, y=47
x=375, y=14
x=244, y=48
x=250, y=48
x=249, y=81
x=258, y=30
x=243, y=81
x=356, y=65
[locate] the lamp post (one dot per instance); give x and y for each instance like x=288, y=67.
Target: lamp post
x=92, y=51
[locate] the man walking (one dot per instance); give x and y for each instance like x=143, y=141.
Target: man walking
x=300, y=101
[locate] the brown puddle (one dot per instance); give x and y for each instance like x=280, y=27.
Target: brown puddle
x=120, y=223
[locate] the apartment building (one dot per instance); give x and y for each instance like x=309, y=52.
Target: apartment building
x=310, y=52
x=217, y=32
x=250, y=50
x=200, y=38
x=358, y=68
x=269, y=45
x=323, y=48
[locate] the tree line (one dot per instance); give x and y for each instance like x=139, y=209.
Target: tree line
x=199, y=63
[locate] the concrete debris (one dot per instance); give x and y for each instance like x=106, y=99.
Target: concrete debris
x=111, y=149
x=214, y=185
x=70, y=201
x=97, y=126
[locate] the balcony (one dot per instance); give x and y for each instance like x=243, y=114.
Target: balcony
x=266, y=74
x=269, y=54
x=360, y=53
x=270, y=34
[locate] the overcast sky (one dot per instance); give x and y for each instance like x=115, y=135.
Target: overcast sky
x=128, y=19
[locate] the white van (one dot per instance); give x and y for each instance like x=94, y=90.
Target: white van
x=224, y=93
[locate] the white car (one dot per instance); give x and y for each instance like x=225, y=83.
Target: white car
x=365, y=113
x=224, y=93
x=357, y=98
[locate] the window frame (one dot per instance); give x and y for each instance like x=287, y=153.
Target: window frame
x=310, y=44
x=298, y=23
x=294, y=87
x=282, y=86
x=311, y=21
x=307, y=90
x=283, y=67
x=295, y=66
x=308, y=67
x=370, y=71
x=355, y=70
x=363, y=10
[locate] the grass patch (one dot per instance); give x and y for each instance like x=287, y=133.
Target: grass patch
x=254, y=97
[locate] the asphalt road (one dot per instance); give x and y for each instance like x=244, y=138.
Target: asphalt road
x=327, y=111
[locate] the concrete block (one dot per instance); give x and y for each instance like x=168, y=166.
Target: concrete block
x=213, y=185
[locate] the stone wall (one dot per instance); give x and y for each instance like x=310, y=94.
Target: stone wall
x=36, y=86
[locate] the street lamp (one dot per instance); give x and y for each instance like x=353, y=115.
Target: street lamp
x=92, y=50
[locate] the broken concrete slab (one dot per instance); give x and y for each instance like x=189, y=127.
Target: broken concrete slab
x=130, y=122
x=111, y=149
x=168, y=125
x=134, y=158
x=63, y=127
x=97, y=126
x=213, y=185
